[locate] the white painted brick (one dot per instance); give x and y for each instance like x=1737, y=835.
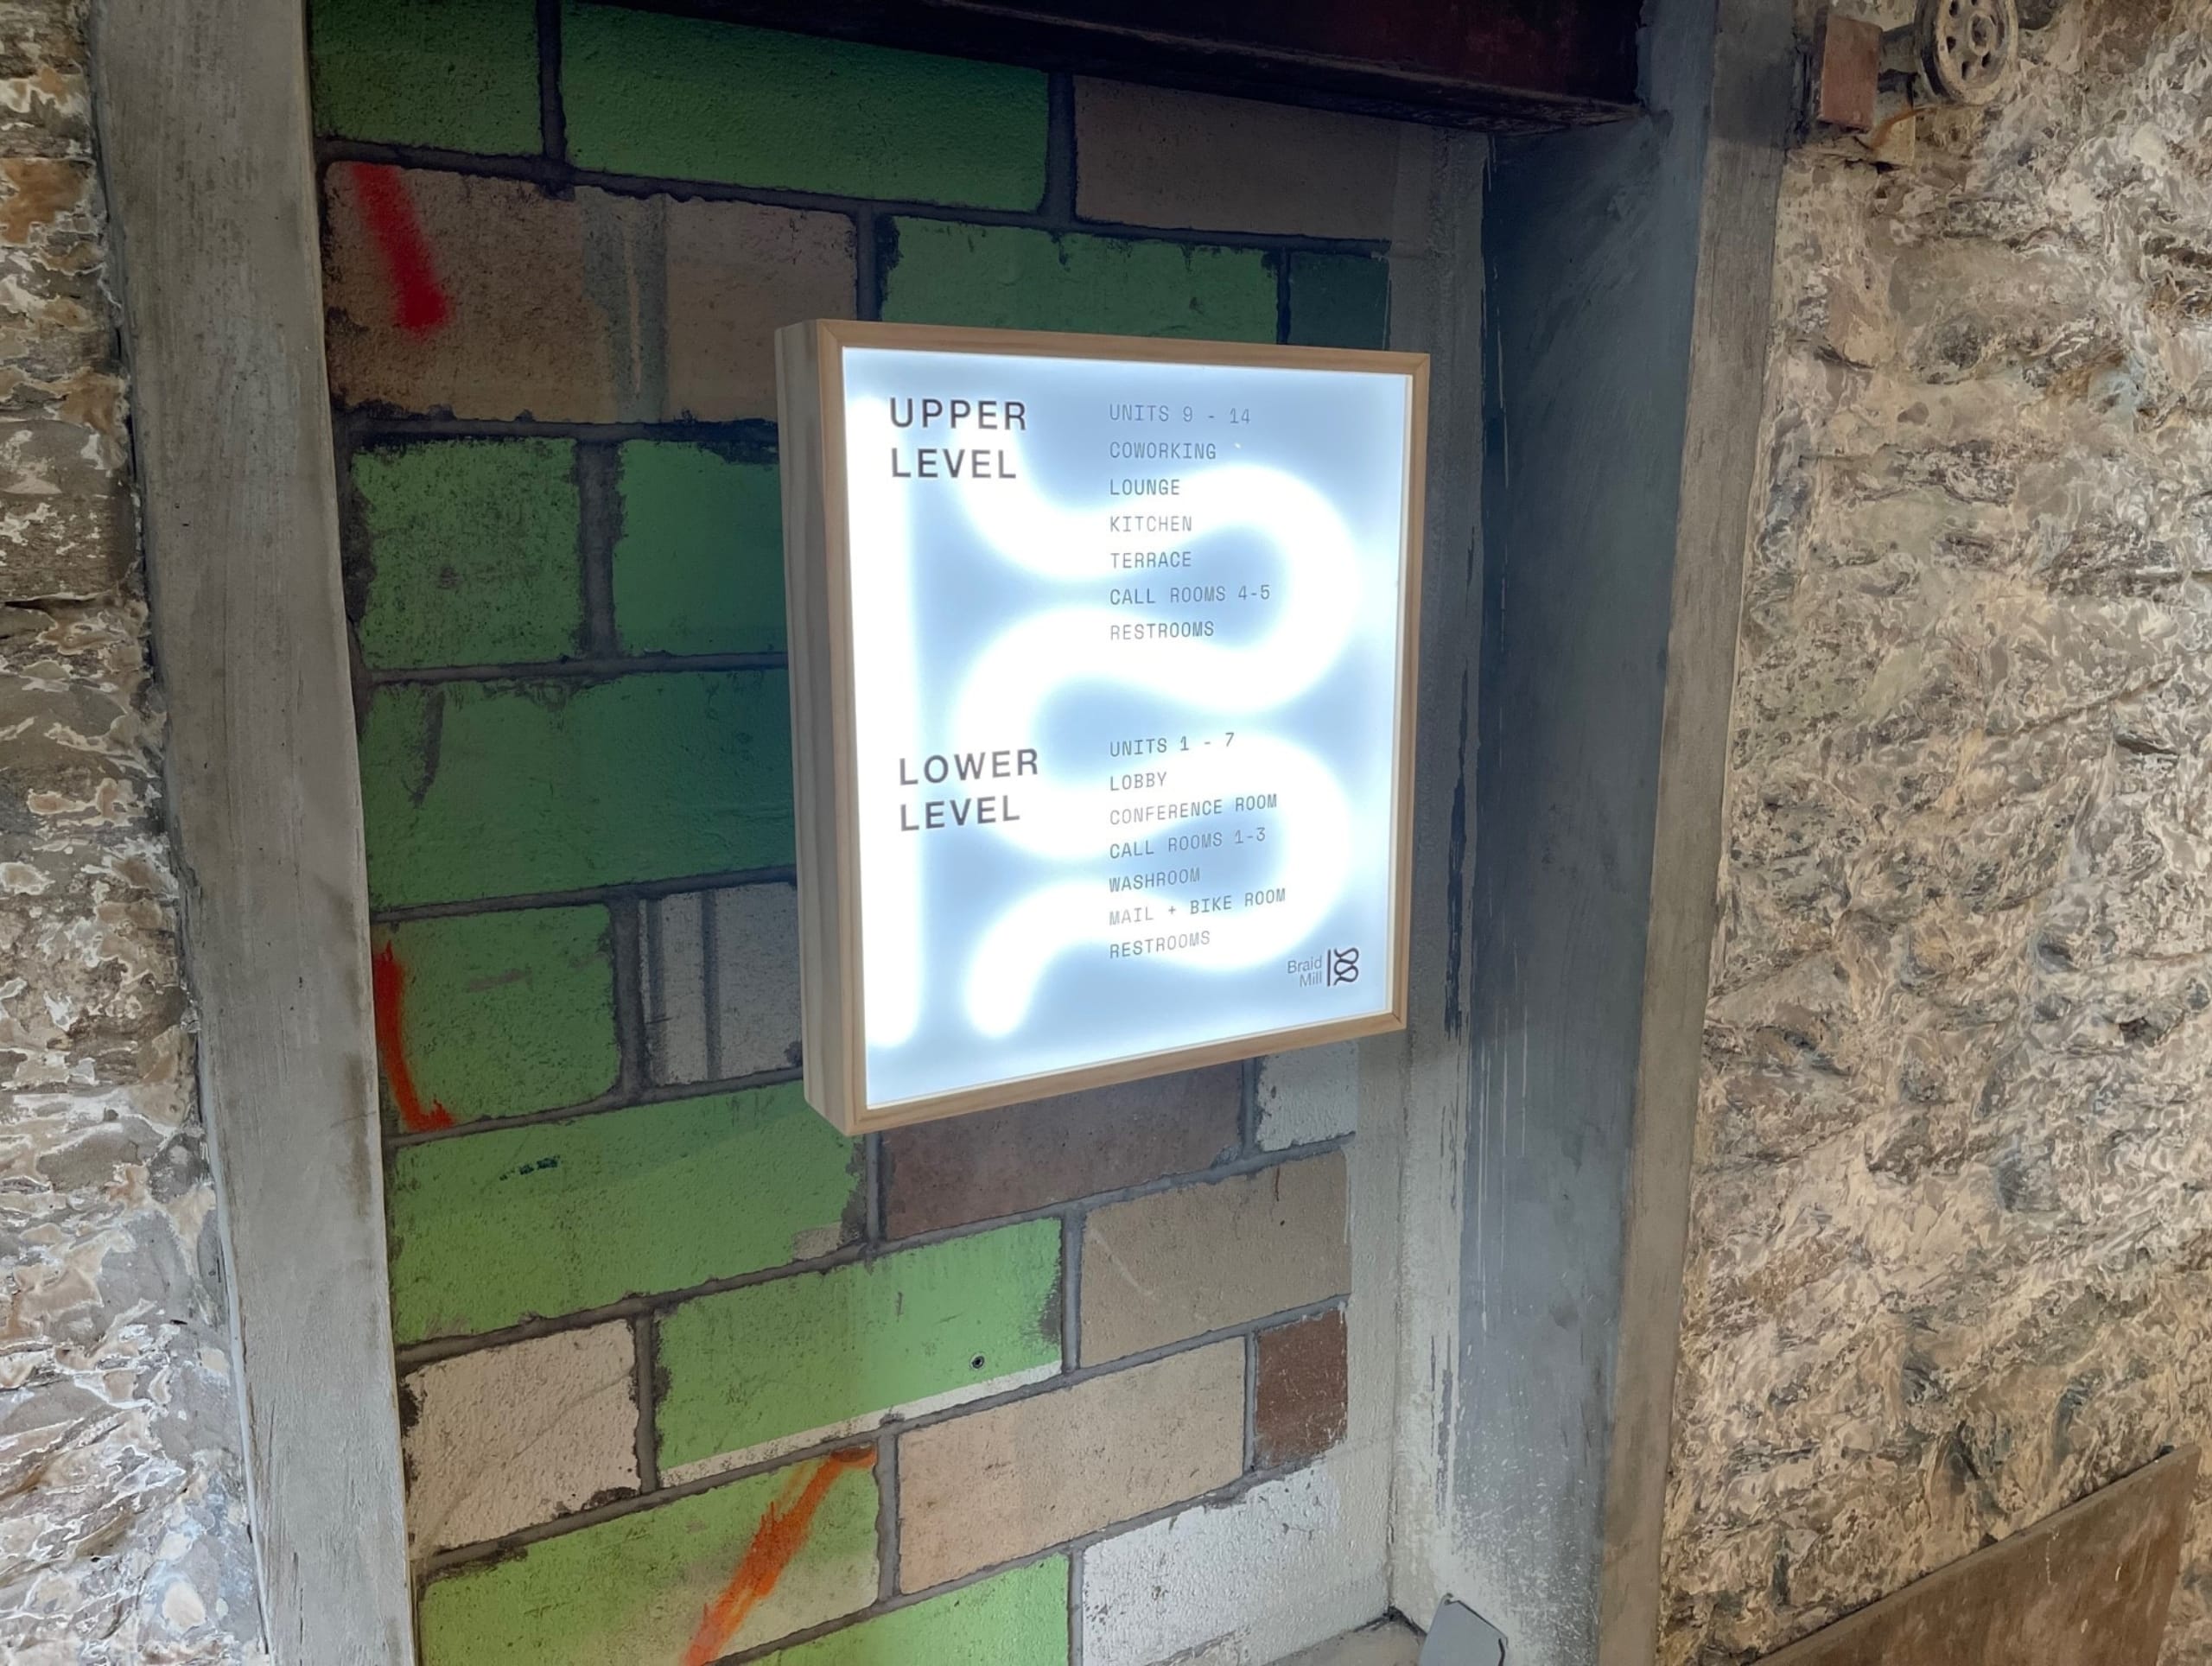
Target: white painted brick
x=1312, y=1094
x=752, y=933
x=1258, y=1577
x=676, y=989
x=756, y=981
x=512, y=1436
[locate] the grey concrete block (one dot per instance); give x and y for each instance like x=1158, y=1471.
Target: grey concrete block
x=722, y=983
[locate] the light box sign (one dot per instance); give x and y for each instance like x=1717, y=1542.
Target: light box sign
x=1102, y=678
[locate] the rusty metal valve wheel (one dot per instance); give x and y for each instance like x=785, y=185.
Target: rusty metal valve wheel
x=1967, y=47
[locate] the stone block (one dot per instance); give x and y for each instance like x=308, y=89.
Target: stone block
x=1009, y=277
x=494, y=1015
x=1019, y=1618
x=457, y=75
x=1003, y=1483
x=1148, y=155
x=510, y=1437
x=699, y=563
x=46, y=102
x=492, y=1227
x=722, y=982
x=1299, y=1397
x=1258, y=1568
x=1180, y=1263
x=444, y=290
x=686, y=99
x=50, y=205
x=1031, y=1156
x=812, y=1358
x=691, y=1579
x=1312, y=1094
x=66, y=528
x=58, y=350
x=463, y=552
x=508, y=789
x=1339, y=301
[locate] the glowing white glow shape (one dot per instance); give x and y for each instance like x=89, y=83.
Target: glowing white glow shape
x=998, y=616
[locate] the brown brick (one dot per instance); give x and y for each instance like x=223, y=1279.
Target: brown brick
x=1299, y=1404
x=520, y=336
x=1002, y=1162
x=980, y=1489
x=597, y=309
x=513, y=1436
x=1183, y=1263
x=1153, y=157
x=737, y=273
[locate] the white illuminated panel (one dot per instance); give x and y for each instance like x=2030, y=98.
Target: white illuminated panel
x=1115, y=652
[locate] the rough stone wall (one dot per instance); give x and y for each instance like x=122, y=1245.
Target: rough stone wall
x=123, y=1533
x=1953, y=1196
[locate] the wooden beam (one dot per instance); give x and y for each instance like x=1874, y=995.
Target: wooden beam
x=1749, y=59
x=205, y=133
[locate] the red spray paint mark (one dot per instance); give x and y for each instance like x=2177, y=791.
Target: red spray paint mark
x=419, y=305
x=779, y=1538
x=388, y=987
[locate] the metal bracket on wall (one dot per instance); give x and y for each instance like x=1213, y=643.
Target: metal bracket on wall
x=1460, y=1636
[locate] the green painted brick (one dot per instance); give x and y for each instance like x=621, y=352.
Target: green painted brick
x=682, y=98
x=639, y=1587
x=505, y=1013
x=475, y=790
x=497, y=1225
x=461, y=74
x=471, y=551
x=1019, y=1618
x=699, y=567
x=938, y=272
x=1339, y=301
x=752, y=1366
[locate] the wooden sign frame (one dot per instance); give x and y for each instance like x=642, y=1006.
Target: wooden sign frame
x=817, y=599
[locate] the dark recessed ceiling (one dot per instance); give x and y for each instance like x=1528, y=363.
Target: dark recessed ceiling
x=1509, y=64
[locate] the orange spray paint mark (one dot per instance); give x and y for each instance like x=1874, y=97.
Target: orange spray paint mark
x=419, y=305
x=779, y=1538
x=388, y=987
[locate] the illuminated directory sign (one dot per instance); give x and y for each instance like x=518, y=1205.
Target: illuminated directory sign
x=1101, y=656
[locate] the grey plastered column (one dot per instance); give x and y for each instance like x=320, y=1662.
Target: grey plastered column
x=1629, y=285
x=205, y=136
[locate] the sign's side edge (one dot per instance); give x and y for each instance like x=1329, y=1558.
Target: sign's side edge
x=1415, y=532
x=850, y=997
x=813, y=763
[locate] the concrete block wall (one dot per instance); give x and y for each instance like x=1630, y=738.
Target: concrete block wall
x=687, y=1375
